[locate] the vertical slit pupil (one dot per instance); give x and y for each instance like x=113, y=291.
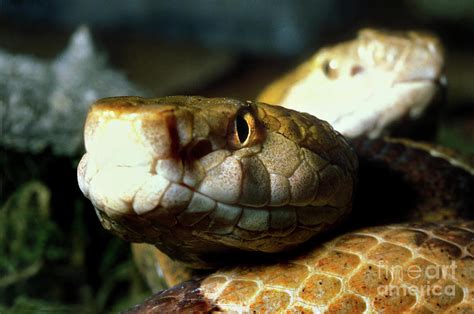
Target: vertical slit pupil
x=242, y=128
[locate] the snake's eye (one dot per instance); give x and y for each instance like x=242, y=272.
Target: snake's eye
x=243, y=129
x=330, y=69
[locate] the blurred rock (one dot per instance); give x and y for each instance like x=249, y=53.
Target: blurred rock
x=44, y=103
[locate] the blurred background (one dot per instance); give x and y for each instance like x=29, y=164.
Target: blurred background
x=54, y=254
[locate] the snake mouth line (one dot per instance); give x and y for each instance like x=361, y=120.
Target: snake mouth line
x=179, y=187
x=436, y=80
x=178, y=205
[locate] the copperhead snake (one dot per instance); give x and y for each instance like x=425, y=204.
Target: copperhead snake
x=219, y=182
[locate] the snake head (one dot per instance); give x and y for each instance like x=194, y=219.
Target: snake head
x=372, y=85
x=195, y=176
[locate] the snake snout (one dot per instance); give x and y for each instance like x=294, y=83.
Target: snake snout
x=127, y=147
x=409, y=56
x=124, y=130
x=424, y=60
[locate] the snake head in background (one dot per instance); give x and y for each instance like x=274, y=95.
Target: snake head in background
x=198, y=177
x=380, y=83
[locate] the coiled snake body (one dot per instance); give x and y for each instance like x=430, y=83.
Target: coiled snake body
x=215, y=181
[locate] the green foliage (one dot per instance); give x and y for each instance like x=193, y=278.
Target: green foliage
x=46, y=268
x=453, y=137
x=28, y=305
x=25, y=233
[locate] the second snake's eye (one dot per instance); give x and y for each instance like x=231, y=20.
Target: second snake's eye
x=243, y=129
x=330, y=69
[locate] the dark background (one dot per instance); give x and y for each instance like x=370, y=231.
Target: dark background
x=64, y=260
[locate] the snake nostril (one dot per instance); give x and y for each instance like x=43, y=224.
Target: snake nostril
x=356, y=69
x=199, y=148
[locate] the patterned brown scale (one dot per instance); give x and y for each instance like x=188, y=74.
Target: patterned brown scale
x=348, y=275
x=420, y=182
